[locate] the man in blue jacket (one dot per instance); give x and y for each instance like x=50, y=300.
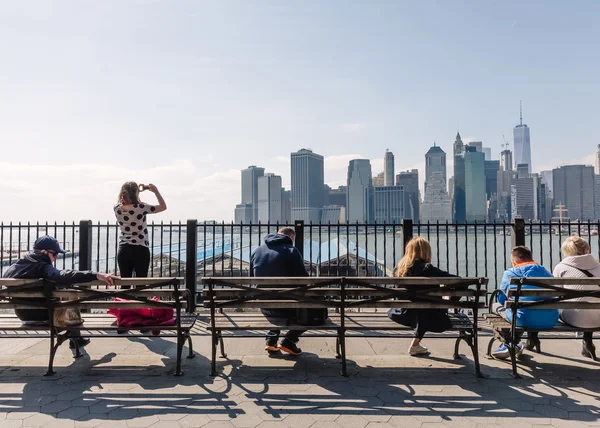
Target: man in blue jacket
x=537, y=319
x=39, y=264
x=279, y=257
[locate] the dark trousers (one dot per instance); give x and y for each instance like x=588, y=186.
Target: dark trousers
x=133, y=260
x=273, y=335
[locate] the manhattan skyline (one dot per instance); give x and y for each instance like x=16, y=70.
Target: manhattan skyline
x=185, y=97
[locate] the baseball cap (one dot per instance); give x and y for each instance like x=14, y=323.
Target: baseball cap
x=48, y=243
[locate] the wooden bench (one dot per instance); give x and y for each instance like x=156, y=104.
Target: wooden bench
x=555, y=297
x=16, y=294
x=344, y=297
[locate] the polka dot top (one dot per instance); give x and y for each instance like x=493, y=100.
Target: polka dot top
x=134, y=230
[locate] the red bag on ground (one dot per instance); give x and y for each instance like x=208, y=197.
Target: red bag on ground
x=142, y=317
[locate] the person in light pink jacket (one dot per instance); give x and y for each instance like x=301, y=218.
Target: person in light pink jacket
x=579, y=263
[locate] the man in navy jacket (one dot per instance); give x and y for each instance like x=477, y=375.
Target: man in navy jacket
x=279, y=257
x=39, y=264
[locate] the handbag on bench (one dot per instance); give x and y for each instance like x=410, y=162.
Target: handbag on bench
x=67, y=317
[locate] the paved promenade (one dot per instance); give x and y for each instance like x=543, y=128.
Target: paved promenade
x=129, y=383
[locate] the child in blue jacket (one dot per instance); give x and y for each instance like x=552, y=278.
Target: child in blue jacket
x=537, y=319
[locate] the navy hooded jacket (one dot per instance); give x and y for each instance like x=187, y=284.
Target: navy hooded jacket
x=36, y=265
x=277, y=257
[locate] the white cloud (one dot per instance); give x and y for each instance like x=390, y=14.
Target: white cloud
x=87, y=191
x=589, y=159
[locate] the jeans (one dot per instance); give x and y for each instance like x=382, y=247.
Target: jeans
x=273, y=335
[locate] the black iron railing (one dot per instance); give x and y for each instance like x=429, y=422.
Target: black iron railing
x=194, y=249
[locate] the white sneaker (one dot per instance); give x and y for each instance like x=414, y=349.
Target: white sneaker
x=414, y=351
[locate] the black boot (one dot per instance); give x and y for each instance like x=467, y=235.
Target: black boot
x=533, y=342
x=589, y=350
x=81, y=341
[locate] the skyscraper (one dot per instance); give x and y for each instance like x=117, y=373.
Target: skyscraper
x=269, y=199
x=437, y=204
x=522, y=197
x=458, y=145
x=410, y=181
x=388, y=169
x=250, y=177
x=435, y=161
x=506, y=160
x=286, y=206
x=487, y=151
x=573, y=187
x=597, y=164
x=307, y=185
x=390, y=204
x=477, y=144
x=359, y=185
x=379, y=180
x=491, y=177
x=522, y=143
x=475, y=200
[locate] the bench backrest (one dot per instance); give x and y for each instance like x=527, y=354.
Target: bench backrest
x=17, y=294
x=347, y=292
x=550, y=293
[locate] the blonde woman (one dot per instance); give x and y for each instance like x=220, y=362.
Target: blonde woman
x=579, y=263
x=417, y=262
x=134, y=252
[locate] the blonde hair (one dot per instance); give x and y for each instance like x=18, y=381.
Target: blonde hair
x=575, y=246
x=129, y=194
x=417, y=249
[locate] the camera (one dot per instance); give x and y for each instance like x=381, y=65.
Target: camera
x=143, y=187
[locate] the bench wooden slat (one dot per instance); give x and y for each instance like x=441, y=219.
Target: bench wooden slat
x=75, y=294
x=292, y=304
x=500, y=324
x=11, y=282
x=378, y=322
x=336, y=292
x=543, y=293
x=93, y=321
x=559, y=282
x=303, y=281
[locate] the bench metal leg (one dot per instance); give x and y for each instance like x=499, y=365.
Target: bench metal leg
x=489, y=347
x=512, y=348
x=53, y=348
x=475, y=349
x=180, y=342
x=213, y=362
x=461, y=337
x=190, y=347
x=342, y=338
x=223, y=354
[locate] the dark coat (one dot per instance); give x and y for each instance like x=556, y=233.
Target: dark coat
x=37, y=265
x=423, y=320
x=277, y=257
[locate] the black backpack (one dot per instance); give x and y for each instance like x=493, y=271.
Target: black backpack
x=311, y=316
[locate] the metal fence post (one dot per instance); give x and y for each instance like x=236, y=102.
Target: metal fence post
x=299, y=227
x=85, y=245
x=517, y=237
x=191, y=263
x=407, y=231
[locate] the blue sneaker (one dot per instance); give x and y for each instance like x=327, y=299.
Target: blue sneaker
x=502, y=352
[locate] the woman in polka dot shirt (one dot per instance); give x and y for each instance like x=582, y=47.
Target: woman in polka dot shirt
x=134, y=252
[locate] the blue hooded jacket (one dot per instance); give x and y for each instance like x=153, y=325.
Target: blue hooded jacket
x=528, y=318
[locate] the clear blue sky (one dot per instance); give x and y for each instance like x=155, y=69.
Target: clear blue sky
x=187, y=93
